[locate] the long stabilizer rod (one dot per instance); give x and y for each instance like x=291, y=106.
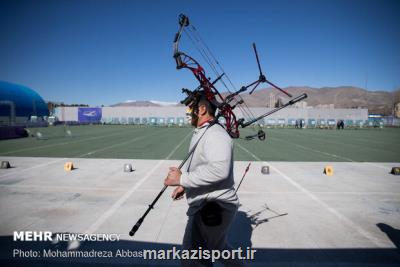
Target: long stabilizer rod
x=151, y=206
x=291, y=102
x=258, y=60
x=262, y=78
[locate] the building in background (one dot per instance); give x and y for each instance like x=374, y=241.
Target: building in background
x=19, y=104
x=397, y=110
x=311, y=117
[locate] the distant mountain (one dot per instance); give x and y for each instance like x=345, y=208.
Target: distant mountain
x=339, y=97
x=145, y=103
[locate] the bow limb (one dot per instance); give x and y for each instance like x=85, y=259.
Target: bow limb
x=183, y=22
x=183, y=61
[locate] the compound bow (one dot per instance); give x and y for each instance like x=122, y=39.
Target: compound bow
x=225, y=108
x=224, y=104
x=185, y=61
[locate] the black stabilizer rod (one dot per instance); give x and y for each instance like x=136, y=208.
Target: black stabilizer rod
x=261, y=78
x=291, y=102
x=258, y=60
x=151, y=206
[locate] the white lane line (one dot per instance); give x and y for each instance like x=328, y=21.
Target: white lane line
x=332, y=155
x=176, y=148
x=75, y=189
x=322, y=193
x=328, y=139
x=115, y=145
x=310, y=149
x=47, y=188
x=314, y=150
x=78, y=156
x=96, y=225
x=32, y=167
x=379, y=166
x=345, y=144
x=340, y=216
x=60, y=144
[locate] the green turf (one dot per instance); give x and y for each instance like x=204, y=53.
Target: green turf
x=372, y=145
x=369, y=145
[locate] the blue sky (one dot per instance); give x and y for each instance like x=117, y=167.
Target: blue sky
x=104, y=52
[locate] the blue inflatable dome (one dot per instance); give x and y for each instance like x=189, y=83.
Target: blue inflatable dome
x=23, y=100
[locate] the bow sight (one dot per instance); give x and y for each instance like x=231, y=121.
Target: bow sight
x=191, y=97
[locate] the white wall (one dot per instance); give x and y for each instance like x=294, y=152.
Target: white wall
x=71, y=113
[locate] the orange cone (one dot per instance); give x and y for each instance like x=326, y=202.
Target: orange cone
x=328, y=170
x=68, y=166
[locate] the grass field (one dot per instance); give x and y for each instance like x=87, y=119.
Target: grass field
x=119, y=141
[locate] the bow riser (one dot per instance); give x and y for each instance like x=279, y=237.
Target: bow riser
x=225, y=109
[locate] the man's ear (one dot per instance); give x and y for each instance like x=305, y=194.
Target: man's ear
x=202, y=110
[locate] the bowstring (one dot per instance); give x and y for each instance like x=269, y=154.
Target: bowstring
x=202, y=52
x=223, y=71
x=196, y=35
x=245, y=112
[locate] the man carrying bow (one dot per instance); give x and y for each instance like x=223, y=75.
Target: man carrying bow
x=207, y=180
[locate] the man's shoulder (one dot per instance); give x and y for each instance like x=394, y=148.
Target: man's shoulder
x=219, y=131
